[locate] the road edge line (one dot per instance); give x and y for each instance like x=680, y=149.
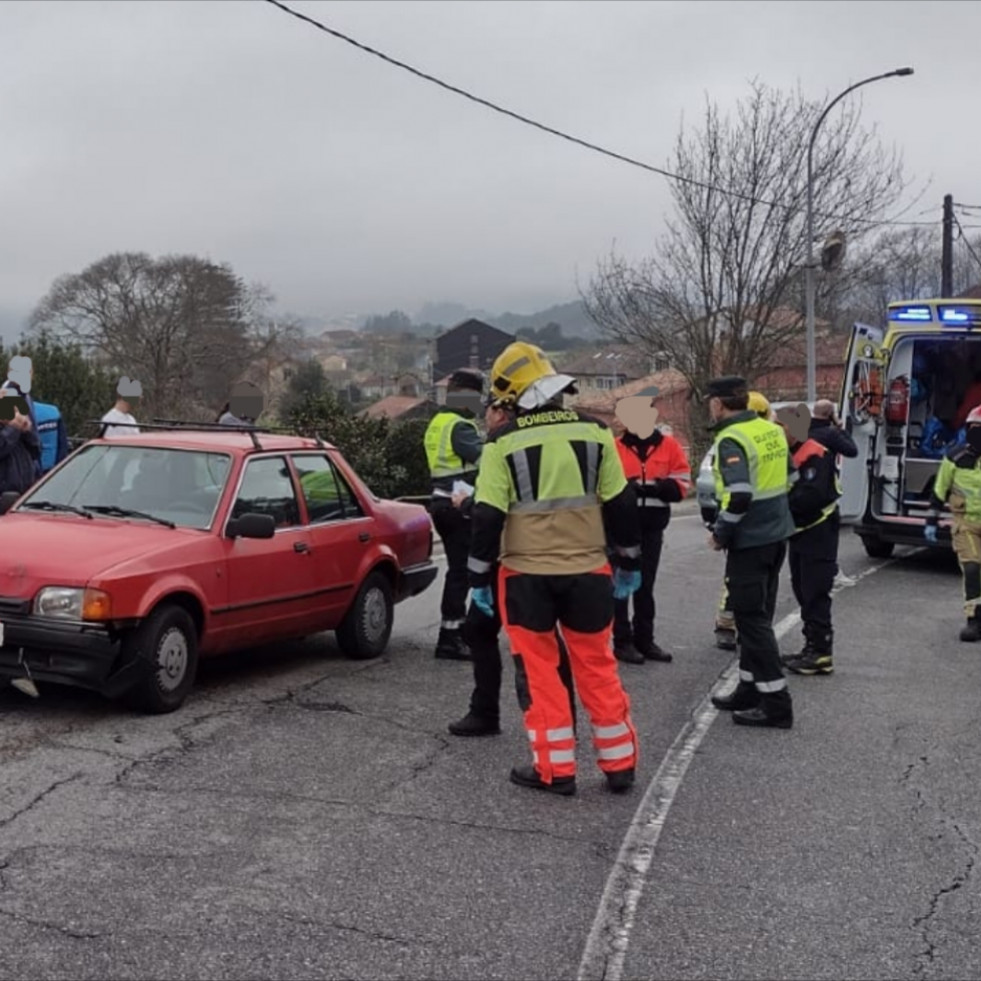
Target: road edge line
x=609, y=938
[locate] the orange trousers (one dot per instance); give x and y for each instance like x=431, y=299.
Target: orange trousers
x=582, y=605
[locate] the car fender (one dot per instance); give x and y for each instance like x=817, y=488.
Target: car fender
x=170, y=585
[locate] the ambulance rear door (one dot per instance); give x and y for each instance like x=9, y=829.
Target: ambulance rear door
x=860, y=411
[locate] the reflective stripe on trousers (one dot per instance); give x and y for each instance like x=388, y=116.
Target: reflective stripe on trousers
x=547, y=716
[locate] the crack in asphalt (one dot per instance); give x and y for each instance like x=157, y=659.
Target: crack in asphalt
x=602, y=848
x=50, y=789
x=346, y=928
x=925, y=923
x=61, y=928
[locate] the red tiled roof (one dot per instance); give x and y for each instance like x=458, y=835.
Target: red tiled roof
x=667, y=383
x=393, y=406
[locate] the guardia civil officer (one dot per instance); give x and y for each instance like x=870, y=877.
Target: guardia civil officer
x=453, y=448
x=753, y=475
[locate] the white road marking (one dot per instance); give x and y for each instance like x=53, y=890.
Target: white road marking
x=606, y=947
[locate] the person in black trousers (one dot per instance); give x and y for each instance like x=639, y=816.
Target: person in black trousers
x=481, y=633
x=753, y=473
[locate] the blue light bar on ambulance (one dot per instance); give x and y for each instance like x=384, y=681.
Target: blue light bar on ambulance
x=959, y=315
x=918, y=314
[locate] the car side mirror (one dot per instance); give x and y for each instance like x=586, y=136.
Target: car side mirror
x=7, y=499
x=251, y=526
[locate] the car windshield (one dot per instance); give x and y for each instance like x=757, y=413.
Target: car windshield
x=137, y=483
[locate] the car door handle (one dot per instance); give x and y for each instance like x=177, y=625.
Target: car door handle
x=364, y=537
x=301, y=547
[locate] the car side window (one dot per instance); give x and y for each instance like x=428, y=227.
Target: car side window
x=267, y=488
x=352, y=507
x=328, y=496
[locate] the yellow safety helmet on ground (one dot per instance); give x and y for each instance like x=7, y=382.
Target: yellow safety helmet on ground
x=760, y=404
x=522, y=372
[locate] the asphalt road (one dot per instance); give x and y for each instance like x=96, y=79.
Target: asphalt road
x=304, y=816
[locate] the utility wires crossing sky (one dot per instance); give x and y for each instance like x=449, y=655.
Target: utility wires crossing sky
x=559, y=133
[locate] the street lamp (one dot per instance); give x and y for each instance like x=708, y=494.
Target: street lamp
x=809, y=281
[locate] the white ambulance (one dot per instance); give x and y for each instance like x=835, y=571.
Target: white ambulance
x=906, y=392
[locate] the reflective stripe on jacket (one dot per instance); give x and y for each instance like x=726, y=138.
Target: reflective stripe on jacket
x=550, y=472
x=822, y=484
x=958, y=485
x=444, y=462
x=666, y=461
x=769, y=473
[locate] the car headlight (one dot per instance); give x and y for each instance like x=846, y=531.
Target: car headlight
x=67, y=603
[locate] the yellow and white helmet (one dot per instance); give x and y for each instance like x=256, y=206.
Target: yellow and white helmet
x=760, y=404
x=524, y=373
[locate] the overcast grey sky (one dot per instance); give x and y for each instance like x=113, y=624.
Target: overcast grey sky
x=231, y=130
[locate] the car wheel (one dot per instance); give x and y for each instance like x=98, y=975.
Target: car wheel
x=365, y=629
x=876, y=548
x=166, y=644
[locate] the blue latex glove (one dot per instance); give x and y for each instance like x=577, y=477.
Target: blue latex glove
x=625, y=583
x=930, y=534
x=483, y=599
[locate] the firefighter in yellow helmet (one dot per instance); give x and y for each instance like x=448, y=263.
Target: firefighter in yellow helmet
x=725, y=624
x=549, y=482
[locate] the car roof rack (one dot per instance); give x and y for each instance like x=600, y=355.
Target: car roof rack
x=179, y=425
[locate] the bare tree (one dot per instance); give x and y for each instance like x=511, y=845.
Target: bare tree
x=902, y=264
x=713, y=297
x=185, y=326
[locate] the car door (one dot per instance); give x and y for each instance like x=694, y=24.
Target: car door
x=272, y=589
x=339, y=530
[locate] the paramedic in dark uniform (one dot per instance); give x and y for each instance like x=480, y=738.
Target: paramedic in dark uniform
x=753, y=475
x=453, y=448
x=813, y=550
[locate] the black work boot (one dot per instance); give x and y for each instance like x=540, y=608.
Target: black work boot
x=725, y=638
x=527, y=776
x=475, y=725
x=972, y=632
x=775, y=711
x=620, y=781
x=451, y=647
x=806, y=651
x=626, y=652
x=743, y=696
x=653, y=652
x=814, y=659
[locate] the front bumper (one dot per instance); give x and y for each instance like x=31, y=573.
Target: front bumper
x=415, y=579
x=81, y=654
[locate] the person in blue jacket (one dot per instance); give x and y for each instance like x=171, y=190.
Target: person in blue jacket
x=52, y=435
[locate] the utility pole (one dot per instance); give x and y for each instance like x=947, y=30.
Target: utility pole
x=947, y=257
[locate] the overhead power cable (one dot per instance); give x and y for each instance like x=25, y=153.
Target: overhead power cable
x=566, y=136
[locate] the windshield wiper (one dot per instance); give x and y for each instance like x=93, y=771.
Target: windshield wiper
x=55, y=506
x=114, y=509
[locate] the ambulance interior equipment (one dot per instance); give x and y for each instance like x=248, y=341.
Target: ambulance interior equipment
x=907, y=390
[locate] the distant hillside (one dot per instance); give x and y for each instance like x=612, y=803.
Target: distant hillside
x=571, y=317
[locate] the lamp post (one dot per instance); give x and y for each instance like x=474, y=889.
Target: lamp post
x=809, y=280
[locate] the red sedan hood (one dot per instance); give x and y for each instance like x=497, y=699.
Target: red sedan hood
x=64, y=550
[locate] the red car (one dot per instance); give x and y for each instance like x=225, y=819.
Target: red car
x=139, y=554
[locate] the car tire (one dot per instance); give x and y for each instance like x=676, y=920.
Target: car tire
x=166, y=645
x=365, y=629
x=876, y=548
